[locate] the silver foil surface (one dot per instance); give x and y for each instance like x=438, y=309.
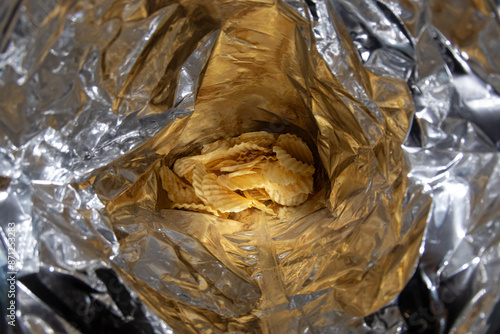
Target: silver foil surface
x=58, y=125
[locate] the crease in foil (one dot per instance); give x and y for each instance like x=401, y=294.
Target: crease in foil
x=399, y=100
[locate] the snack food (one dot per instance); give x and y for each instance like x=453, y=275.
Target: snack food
x=254, y=170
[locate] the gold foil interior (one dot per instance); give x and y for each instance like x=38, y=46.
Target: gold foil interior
x=348, y=248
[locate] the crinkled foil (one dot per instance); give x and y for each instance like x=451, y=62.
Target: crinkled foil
x=398, y=99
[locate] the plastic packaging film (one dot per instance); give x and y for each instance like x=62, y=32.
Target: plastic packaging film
x=398, y=101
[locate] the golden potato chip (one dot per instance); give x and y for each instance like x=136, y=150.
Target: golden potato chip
x=246, y=165
x=278, y=174
x=177, y=190
x=242, y=182
x=222, y=198
x=219, y=144
x=242, y=172
x=199, y=173
x=258, y=205
x=285, y=199
x=289, y=190
x=221, y=154
x=200, y=208
x=246, y=148
x=261, y=138
x=184, y=167
x=292, y=164
x=217, y=165
x=296, y=147
x=209, y=159
x=259, y=194
x=264, y=164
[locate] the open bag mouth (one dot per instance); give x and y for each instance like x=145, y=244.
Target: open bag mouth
x=347, y=243
x=250, y=166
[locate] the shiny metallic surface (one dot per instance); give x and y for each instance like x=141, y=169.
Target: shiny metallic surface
x=84, y=84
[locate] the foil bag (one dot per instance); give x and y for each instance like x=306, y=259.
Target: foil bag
x=398, y=101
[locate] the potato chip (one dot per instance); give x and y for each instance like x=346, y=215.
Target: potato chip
x=221, y=154
x=246, y=148
x=259, y=194
x=302, y=185
x=177, y=190
x=219, y=144
x=264, y=164
x=242, y=182
x=217, y=165
x=184, y=167
x=222, y=198
x=278, y=174
x=294, y=146
x=246, y=165
x=260, y=138
x=200, y=208
x=292, y=164
x=285, y=199
x=209, y=159
x=199, y=173
x=242, y=172
x=258, y=205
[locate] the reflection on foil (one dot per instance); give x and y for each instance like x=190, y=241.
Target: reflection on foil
x=68, y=109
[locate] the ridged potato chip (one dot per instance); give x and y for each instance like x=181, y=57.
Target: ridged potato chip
x=219, y=144
x=245, y=148
x=245, y=165
x=294, y=146
x=278, y=174
x=184, y=167
x=286, y=200
x=242, y=182
x=258, y=205
x=260, y=138
x=200, y=208
x=292, y=164
x=259, y=194
x=177, y=190
x=242, y=172
x=199, y=173
x=217, y=165
x=222, y=198
x=221, y=154
x=301, y=186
